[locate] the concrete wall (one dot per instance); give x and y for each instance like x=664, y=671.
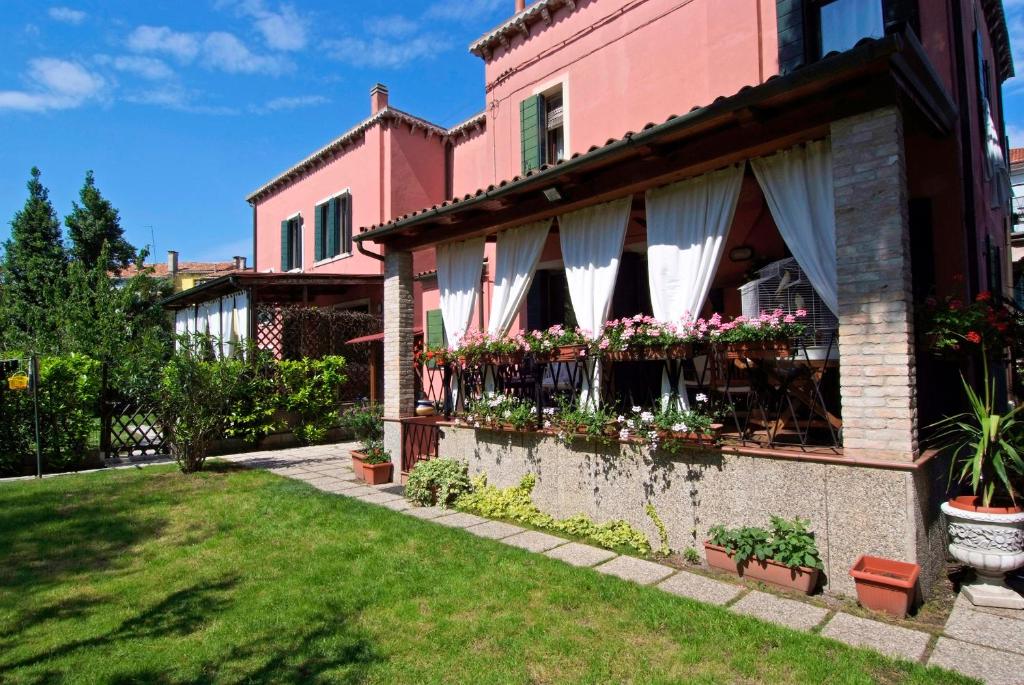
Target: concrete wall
x=853, y=510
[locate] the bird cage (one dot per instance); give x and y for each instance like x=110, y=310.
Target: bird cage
x=783, y=285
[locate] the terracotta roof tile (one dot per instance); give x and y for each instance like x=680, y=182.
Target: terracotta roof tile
x=1016, y=155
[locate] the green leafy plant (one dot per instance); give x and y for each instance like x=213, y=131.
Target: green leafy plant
x=986, y=445
x=652, y=514
x=572, y=420
x=254, y=406
x=366, y=421
x=788, y=542
x=691, y=556
x=437, y=482
x=312, y=390
x=374, y=452
x=195, y=399
x=516, y=504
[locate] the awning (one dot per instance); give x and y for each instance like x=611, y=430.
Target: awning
x=377, y=337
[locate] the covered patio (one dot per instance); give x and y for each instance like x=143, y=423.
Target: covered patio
x=721, y=211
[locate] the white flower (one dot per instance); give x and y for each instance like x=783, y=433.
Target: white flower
x=549, y=411
x=624, y=434
x=646, y=417
x=636, y=410
x=701, y=397
x=547, y=424
x=620, y=418
x=680, y=428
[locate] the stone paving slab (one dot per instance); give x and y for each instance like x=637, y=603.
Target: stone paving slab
x=786, y=612
x=358, y=491
x=428, y=512
x=534, y=541
x=461, y=520
x=635, y=570
x=400, y=504
x=495, y=530
x=379, y=498
x=895, y=641
x=341, y=486
x=985, y=628
x=577, y=554
x=700, y=588
x=988, y=665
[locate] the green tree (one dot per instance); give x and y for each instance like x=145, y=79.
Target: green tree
x=34, y=267
x=94, y=223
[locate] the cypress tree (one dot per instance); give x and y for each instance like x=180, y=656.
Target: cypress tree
x=94, y=223
x=34, y=266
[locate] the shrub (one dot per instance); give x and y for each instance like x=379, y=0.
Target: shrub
x=195, y=399
x=255, y=403
x=437, y=481
x=312, y=390
x=366, y=422
x=516, y=504
x=788, y=542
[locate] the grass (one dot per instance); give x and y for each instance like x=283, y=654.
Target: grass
x=241, y=576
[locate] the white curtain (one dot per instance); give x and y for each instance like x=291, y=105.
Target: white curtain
x=592, y=241
x=518, y=251
x=242, y=318
x=213, y=318
x=458, y=278
x=181, y=320
x=227, y=325
x=798, y=186
x=687, y=224
x=996, y=171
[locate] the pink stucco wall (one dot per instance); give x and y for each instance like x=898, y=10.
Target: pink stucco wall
x=472, y=163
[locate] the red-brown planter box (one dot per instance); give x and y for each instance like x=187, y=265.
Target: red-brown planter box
x=802, y=579
x=377, y=474
x=357, y=463
x=885, y=584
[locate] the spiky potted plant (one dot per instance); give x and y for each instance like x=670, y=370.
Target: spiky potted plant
x=986, y=519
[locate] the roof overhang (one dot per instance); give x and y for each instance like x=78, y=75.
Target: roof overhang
x=267, y=282
x=755, y=121
x=999, y=35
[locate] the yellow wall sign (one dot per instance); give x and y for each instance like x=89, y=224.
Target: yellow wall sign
x=18, y=381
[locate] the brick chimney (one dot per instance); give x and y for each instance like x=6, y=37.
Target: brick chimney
x=520, y=6
x=378, y=98
x=239, y=263
x=172, y=262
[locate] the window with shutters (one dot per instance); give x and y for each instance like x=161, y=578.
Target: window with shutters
x=333, y=230
x=542, y=121
x=291, y=243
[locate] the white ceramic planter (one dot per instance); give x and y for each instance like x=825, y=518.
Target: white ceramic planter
x=991, y=544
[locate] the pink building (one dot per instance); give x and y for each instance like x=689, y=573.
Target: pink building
x=676, y=160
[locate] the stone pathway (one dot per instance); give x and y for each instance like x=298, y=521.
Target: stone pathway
x=982, y=643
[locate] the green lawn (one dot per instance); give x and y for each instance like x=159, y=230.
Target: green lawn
x=240, y=576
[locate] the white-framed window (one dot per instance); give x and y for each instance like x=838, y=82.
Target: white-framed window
x=544, y=124
x=333, y=227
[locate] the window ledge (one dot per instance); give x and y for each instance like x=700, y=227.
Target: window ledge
x=335, y=258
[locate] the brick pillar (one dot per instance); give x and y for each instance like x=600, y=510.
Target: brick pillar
x=399, y=393
x=878, y=381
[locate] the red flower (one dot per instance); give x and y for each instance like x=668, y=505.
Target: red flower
x=983, y=296
x=955, y=304
x=973, y=337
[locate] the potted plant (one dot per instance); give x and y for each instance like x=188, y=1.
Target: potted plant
x=986, y=520
x=377, y=464
x=367, y=425
x=786, y=556
x=885, y=584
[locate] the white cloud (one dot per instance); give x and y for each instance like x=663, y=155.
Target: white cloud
x=294, y=102
x=216, y=50
x=395, y=26
x=282, y=29
x=54, y=84
x=149, y=68
x=174, y=96
x=161, y=39
x=66, y=15
x=382, y=53
x=467, y=10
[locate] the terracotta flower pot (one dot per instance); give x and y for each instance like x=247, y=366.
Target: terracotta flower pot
x=377, y=474
x=571, y=353
x=357, y=463
x=763, y=349
x=802, y=578
x=885, y=585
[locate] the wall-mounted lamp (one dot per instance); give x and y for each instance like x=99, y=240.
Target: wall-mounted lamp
x=741, y=253
x=552, y=194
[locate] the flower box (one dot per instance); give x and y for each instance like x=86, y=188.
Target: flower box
x=885, y=585
x=570, y=353
x=377, y=474
x=801, y=579
x=358, y=463
x=762, y=349
x=697, y=439
x=503, y=359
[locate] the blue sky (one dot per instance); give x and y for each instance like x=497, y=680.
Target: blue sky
x=182, y=108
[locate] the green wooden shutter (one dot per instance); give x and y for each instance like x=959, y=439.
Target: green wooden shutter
x=332, y=227
x=286, y=247
x=531, y=127
x=791, y=16
x=346, y=224
x=435, y=330
x=318, y=233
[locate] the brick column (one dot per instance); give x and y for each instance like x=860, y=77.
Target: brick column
x=878, y=380
x=399, y=382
